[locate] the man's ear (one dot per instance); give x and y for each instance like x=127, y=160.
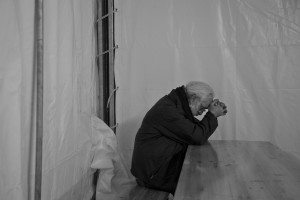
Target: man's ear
x=192, y=105
x=194, y=98
x=193, y=101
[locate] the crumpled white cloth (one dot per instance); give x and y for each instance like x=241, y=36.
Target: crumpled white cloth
x=114, y=180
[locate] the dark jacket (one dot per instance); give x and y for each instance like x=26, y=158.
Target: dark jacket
x=161, y=142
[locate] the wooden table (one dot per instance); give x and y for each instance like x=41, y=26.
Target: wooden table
x=236, y=170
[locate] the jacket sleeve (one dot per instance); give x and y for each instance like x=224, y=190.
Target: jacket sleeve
x=173, y=124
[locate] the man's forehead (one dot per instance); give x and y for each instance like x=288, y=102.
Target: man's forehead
x=207, y=100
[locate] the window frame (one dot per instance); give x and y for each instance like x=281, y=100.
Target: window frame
x=105, y=51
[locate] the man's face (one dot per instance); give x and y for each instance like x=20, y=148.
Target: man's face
x=199, y=107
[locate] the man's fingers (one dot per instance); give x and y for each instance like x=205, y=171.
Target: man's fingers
x=215, y=102
x=225, y=112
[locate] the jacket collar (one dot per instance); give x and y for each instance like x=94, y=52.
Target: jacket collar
x=181, y=93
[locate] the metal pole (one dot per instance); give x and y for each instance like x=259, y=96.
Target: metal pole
x=39, y=42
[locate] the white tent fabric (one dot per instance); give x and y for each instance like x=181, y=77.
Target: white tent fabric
x=69, y=99
x=247, y=50
x=114, y=180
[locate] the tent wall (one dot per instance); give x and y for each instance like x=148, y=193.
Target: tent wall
x=69, y=99
x=247, y=50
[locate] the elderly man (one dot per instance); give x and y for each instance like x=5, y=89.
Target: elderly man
x=167, y=130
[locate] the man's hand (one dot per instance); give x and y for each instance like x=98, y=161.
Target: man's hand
x=217, y=108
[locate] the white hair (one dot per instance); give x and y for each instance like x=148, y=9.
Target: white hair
x=198, y=89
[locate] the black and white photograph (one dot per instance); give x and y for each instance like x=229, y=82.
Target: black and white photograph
x=149, y=99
